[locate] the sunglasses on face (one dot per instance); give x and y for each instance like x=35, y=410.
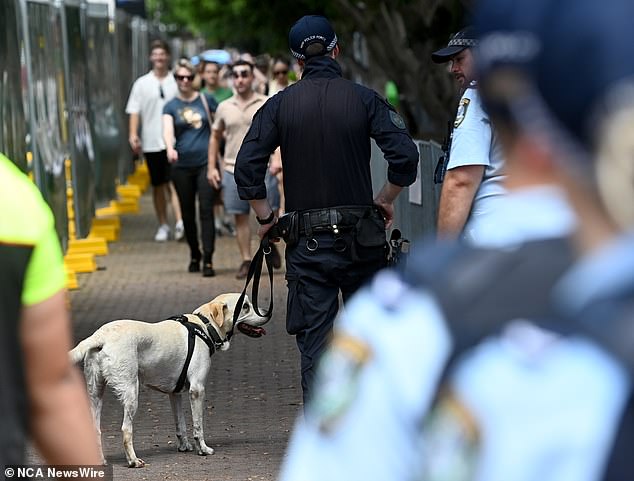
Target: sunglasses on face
x=241, y=73
x=184, y=77
x=280, y=72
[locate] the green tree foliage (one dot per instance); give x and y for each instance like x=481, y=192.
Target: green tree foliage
x=249, y=25
x=399, y=36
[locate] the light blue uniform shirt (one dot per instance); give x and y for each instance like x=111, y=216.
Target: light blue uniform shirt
x=372, y=431
x=474, y=142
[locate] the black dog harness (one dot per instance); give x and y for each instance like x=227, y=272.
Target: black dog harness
x=210, y=337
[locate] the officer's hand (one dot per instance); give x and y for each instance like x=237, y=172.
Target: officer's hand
x=263, y=229
x=387, y=209
x=213, y=176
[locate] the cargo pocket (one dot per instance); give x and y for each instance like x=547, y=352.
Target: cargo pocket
x=295, y=318
x=370, y=231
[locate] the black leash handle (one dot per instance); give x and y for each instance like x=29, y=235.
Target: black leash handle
x=255, y=271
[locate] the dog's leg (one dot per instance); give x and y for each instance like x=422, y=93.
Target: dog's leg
x=95, y=386
x=197, y=401
x=176, y=401
x=130, y=399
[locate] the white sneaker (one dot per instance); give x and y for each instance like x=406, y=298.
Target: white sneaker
x=162, y=233
x=179, y=230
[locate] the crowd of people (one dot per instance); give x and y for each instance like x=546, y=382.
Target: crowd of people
x=502, y=350
x=189, y=124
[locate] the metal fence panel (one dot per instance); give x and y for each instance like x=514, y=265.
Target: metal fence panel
x=43, y=57
x=77, y=106
x=415, y=208
x=104, y=105
x=14, y=127
x=125, y=68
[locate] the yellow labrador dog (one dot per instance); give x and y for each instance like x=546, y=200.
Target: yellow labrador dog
x=125, y=353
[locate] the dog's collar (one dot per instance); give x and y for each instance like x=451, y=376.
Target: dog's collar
x=213, y=333
x=209, y=334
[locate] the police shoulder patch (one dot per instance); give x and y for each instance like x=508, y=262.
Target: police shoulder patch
x=462, y=111
x=336, y=383
x=397, y=120
x=451, y=439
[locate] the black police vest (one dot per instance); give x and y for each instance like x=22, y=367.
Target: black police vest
x=481, y=290
x=324, y=130
x=13, y=399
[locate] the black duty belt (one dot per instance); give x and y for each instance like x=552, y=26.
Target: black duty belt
x=333, y=219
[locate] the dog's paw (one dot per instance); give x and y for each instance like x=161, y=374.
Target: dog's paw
x=185, y=446
x=204, y=450
x=136, y=463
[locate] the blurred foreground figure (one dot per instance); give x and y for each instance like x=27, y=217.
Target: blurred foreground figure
x=41, y=395
x=515, y=363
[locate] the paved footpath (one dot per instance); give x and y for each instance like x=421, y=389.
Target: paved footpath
x=252, y=394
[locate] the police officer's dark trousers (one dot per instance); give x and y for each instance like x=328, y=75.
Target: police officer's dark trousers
x=317, y=269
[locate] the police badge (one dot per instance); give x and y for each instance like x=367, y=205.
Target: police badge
x=462, y=112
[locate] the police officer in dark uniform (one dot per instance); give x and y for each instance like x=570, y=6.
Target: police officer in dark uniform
x=334, y=230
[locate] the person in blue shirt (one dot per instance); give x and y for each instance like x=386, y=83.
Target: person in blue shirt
x=412, y=387
x=187, y=120
x=473, y=184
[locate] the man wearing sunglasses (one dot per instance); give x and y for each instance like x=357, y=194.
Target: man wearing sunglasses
x=233, y=119
x=149, y=95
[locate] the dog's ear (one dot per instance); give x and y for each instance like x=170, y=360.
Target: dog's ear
x=217, y=312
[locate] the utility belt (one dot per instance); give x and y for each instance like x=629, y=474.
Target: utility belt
x=364, y=223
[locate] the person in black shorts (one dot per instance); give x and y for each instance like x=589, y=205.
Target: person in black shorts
x=149, y=94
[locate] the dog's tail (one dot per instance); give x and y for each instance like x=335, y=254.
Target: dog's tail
x=84, y=347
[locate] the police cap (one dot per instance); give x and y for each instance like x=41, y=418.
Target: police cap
x=465, y=38
x=309, y=30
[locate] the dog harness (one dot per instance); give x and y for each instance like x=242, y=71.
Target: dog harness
x=209, y=336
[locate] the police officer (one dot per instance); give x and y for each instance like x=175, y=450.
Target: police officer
x=323, y=125
x=472, y=186
x=527, y=343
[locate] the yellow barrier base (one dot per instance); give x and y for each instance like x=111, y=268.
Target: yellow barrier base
x=126, y=205
x=129, y=190
x=71, y=280
x=109, y=211
x=80, y=262
x=109, y=220
x=107, y=232
x=140, y=180
x=92, y=245
x=107, y=227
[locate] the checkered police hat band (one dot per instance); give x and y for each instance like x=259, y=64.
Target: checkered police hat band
x=463, y=42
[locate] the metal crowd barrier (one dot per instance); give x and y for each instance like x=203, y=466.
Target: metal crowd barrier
x=66, y=70
x=416, y=207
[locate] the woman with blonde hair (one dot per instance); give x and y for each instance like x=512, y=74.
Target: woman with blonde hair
x=187, y=120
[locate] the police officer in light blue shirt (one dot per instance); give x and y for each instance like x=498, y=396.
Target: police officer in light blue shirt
x=401, y=394
x=473, y=185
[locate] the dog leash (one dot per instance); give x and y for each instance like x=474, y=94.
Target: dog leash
x=255, y=271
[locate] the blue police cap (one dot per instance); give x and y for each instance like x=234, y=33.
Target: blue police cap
x=465, y=38
x=574, y=53
x=308, y=30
